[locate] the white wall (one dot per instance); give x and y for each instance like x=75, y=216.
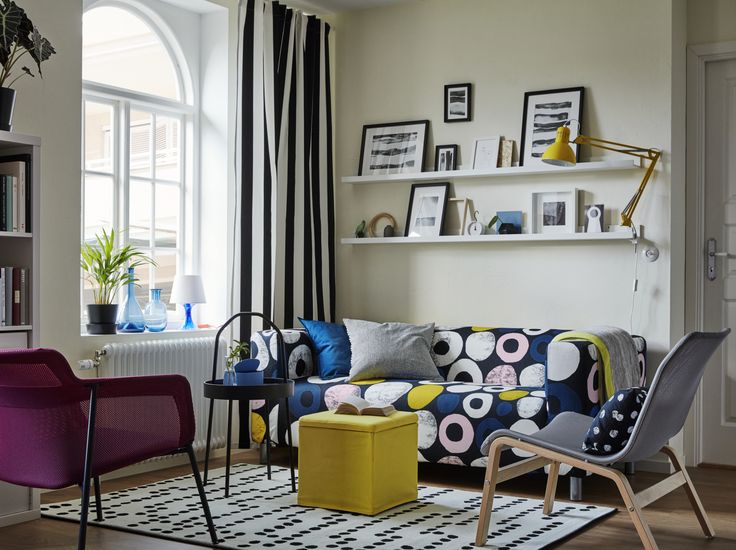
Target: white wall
x=711, y=21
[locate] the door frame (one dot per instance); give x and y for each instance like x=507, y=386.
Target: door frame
x=698, y=57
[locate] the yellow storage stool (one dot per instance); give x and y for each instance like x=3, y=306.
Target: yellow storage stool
x=363, y=464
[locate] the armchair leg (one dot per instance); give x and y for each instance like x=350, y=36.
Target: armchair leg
x=576, y=488
x=549, y=494
x=82, y=541
x=489, y=490
x=98, y=499
x=202, y=494
x=632, y=505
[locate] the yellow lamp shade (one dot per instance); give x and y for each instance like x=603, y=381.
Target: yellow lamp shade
x=560, y=153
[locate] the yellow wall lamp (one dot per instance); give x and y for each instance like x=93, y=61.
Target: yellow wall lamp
x=561, y=154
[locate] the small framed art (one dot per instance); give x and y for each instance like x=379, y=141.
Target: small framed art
x=544, y=112
x=457, y=102
x=427, y=206
x=393, y=148
x=554, y=212
x=445, y=158
x=485, y=153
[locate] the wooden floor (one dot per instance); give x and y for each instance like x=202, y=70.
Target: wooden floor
x=672, y=522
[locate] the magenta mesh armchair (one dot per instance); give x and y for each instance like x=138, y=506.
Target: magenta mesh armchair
x=58, y=430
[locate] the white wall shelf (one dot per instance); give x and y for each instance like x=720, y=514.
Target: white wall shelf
x=16, y=328
x=461, y=175
x=16, y=234
x=523, y=237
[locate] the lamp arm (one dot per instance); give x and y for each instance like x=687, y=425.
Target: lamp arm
x=623, y=148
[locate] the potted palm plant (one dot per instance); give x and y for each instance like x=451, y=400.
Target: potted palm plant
x=18, y=38
x=106, y=269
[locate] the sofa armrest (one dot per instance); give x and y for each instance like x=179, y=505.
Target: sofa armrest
x=300, y=358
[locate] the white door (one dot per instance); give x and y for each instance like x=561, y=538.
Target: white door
x=718, y=428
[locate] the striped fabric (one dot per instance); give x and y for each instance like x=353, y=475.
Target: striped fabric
x=287, y=221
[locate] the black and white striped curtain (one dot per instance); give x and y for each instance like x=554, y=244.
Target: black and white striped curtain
x=287, y=221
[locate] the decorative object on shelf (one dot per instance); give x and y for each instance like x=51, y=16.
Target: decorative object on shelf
x=104, y=267
x=460, y=212
x=360, y=230
x=506, y=153
x=155, y=315
x=594, y=218
x=18, y=36
x=458, y=100
x=544, y=112
x=509, y=222
x=388, y=231
x=485, y=153
x=554, y=212
x=239, y=370
x=427, y=206
x=130, y=316
x=475, y=227
x=445, y=158
x=560, y=153
x=393, y=148
x=188, y=290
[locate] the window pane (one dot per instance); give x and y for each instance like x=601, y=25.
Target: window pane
x=98, y=205
x=168, y=148
x=167, y=215
x=140, y=144
x=139, y=214
x=120, y=49
x=165, y=273
x=98, y=135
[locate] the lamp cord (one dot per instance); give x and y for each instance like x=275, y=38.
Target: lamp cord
x=635, y=283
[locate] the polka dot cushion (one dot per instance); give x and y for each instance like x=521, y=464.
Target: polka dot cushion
x=612, y=427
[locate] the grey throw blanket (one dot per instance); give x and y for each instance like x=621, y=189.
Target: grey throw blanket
x=625, y=370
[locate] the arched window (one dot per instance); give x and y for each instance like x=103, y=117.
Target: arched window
x=137, y=108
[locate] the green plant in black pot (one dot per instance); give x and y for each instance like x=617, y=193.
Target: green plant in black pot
x=18, y=38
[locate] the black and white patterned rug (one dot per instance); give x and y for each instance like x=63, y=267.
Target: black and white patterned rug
x=263, y=514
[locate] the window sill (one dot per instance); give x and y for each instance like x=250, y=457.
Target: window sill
x=165, y=335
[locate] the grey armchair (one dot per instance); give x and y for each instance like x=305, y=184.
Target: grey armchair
x=662, y=416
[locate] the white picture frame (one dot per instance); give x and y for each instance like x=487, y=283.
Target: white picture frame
x=485, y=153
x=554, y=212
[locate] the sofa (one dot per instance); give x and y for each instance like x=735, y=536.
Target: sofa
x=492, y=378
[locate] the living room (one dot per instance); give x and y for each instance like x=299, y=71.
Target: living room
x=315, y=230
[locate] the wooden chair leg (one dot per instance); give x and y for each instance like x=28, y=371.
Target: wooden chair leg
x=637, y=517
x=489, y=491
x=549, y=493
x=692, y=494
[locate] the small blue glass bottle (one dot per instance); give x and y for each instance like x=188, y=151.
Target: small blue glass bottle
x=155, y=314
x=130, y=318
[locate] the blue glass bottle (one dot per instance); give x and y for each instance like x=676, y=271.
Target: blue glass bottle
x=155, y=314
x=130, y=318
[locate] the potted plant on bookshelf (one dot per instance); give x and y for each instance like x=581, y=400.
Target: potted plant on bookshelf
x=107, y=270
x=18, y=37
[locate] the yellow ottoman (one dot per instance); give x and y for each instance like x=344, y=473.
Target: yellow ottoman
x=363, y=464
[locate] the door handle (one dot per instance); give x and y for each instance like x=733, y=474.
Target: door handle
x=712, y=255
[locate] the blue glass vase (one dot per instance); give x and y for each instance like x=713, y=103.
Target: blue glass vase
x=130, y=318
x=155, y=314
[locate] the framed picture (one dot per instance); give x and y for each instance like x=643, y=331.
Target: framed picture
x=485, y=153
x=513, y=221
x=445, y=157
x=427, y=206
x=393, y=148
x=457, y=102
x=554, y=212
x=544, y=112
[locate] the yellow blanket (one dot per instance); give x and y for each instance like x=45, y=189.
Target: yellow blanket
x=604, y=357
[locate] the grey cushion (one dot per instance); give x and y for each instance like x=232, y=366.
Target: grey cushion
x=390, y=350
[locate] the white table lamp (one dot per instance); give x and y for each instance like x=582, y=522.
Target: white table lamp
x=188, y=290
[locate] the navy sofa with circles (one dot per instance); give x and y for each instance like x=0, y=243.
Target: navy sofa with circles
x=494, y=378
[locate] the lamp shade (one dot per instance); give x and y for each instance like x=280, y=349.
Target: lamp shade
x=187, y=289
x=560, y=153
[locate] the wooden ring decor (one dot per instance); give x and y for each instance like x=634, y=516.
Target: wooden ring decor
x=378, y=217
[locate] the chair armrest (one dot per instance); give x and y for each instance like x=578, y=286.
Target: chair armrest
x=300, y=357
x=572, y=378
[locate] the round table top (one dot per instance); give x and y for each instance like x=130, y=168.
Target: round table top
x=272, y=388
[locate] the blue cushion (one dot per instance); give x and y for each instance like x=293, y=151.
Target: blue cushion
x=332, y=347
x=612, y=426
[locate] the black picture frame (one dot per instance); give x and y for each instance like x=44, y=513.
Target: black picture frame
x=529, y=148
x=438, y=150
x=375, y=130
x=466, y=89
x=443, y=189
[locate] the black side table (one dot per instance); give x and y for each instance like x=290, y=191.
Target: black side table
x=272, y=388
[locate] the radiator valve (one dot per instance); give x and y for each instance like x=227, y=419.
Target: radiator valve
x=86, y=364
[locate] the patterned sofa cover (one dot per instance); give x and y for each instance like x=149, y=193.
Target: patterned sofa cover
x=493, y=378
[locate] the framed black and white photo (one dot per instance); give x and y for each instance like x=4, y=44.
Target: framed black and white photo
x=554, y=212
x=427, y=206
x=393, y=148
x=445, y=157
x=485, y=153
x=544, y=112
x=457, y=102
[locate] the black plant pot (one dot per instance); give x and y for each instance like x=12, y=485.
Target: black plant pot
x=7, y=104
x=102, y=318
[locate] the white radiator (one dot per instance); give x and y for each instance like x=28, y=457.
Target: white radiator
x=190, y=357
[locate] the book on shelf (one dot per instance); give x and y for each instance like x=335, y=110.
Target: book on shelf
x=15, y=193
x=14, y=296
x=355, y=405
